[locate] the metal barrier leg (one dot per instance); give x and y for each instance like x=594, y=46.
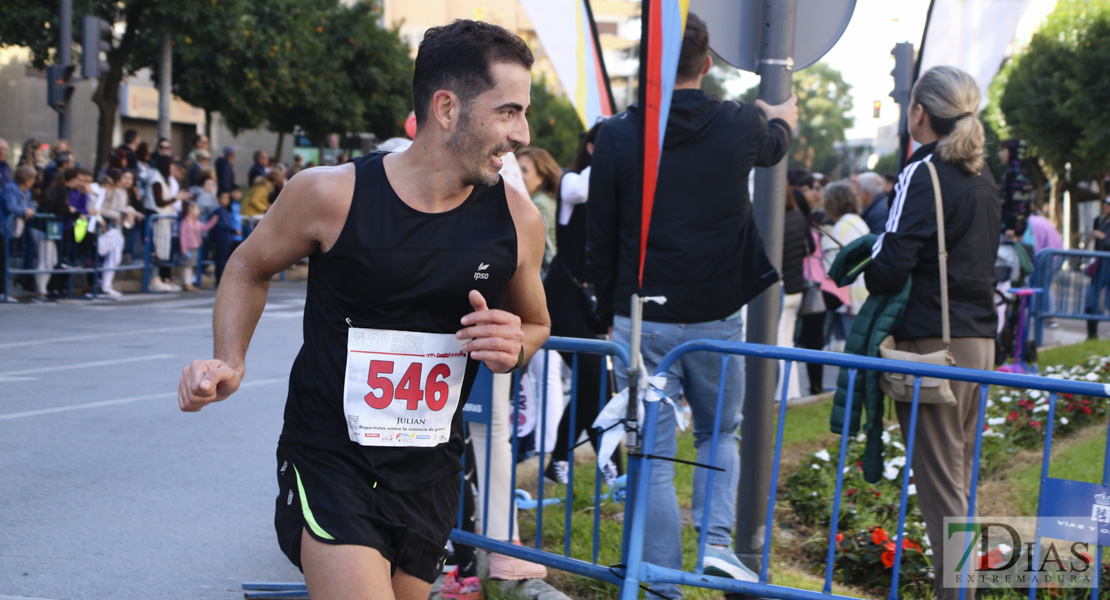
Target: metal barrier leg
x=703, y=530
x=635, y=548
x=834, y=517
x=905, y=490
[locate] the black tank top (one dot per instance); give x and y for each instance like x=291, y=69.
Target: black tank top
x=394, y=267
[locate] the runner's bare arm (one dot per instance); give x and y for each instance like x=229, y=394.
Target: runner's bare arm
x=309, y=214
x=499, y=335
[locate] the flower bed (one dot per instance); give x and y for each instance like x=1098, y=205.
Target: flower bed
x=1015, y=421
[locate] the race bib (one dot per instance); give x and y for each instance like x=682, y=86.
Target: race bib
x=402, y=388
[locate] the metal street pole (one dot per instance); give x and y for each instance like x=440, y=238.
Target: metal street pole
x=65, y=58
x=165, y=76
x=757, y=438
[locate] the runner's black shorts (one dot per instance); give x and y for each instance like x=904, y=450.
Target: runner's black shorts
x=338, y=502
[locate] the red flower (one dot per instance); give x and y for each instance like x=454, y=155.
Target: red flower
x=839, y=538
x=888, y=559
x=850, y=492
x=879, y=535
x=1013, y=416
x=908, y=545
x=878, y=494
x=1086, y=409
x=889, y=546
x=1034, y=423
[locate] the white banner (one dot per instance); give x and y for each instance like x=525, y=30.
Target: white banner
x=973, y=35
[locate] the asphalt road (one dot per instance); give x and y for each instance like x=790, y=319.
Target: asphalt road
x=107, y=490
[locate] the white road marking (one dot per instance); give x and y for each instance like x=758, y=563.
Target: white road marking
x=96, y=336
x=102, y=403
x=99, y=363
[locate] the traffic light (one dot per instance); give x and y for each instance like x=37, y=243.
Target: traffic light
x=59, y=86
x=95, y=36
x=878, y=107
x=902, y=73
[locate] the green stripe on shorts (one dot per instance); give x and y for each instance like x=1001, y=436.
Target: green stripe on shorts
x=309, y=519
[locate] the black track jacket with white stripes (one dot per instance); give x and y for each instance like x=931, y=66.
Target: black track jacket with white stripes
x=972, y=217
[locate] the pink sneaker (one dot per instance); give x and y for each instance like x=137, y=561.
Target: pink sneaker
x=468, y=588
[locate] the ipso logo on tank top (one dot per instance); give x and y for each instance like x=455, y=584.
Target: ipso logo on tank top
x=401, y=388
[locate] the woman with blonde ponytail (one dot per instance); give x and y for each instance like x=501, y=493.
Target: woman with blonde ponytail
x=942, y=119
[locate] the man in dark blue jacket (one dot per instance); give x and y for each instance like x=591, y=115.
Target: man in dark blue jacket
x=705, y=255
x=225, y=170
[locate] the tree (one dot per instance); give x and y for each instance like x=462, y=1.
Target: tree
x=554, y=123
x=1055, y=90
x=32, y=23
x=824, y=107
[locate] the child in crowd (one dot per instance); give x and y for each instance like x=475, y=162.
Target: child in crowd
x=224, y=234
x=192, y=229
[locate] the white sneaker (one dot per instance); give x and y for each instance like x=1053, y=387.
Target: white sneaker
x=110, y=292
x=723, y=563
x=157, y=285
x=609, y=473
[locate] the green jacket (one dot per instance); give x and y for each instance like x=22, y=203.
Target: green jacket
x=878, y=317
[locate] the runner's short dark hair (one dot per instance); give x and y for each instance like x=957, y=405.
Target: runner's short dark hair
x=695, y=47
x=458, y=57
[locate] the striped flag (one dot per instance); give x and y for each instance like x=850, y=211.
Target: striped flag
x=663, y=23
x=569, y=37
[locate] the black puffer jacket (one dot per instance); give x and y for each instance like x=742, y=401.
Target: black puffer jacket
x=972, y=217
x=704, y=252
x=797, y=244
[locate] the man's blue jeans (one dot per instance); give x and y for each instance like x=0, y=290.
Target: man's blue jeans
x=695, y=376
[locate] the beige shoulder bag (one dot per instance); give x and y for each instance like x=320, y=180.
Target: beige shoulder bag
x=933, y=391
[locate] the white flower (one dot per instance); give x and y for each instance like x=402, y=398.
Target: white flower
x=990, y=403
x=1064, y=420
x=890, y=471
x=1034, y=394
x=823, y=455
x=815, y=467
x=861, y=437
x=1091, y=377
x=886, y=438
x=912, y=489
x=813, y=494
x=899, y=446
x=1040, y=408
x=898, y=461
x=996, y=421
x=1006, y=399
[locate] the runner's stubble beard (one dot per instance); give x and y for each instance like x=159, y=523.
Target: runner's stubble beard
x=468, y=145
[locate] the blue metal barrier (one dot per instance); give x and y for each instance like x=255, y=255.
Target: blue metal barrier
x=48, y=247
x=1076, y=284
x=640, y=571
x=633, y=570
x=482, y=413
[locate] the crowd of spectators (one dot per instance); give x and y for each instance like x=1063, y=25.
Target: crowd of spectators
x=58, y=215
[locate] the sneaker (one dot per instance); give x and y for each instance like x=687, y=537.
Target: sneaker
x=723, y=563
x=556, y=472
x=111, y=292
x=467, y=588
x=157, y=285
x=609, y=473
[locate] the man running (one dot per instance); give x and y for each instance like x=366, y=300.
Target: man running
x=422, y=264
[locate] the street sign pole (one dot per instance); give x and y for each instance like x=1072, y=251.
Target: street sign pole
x=65, y=58
x=775, y=70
